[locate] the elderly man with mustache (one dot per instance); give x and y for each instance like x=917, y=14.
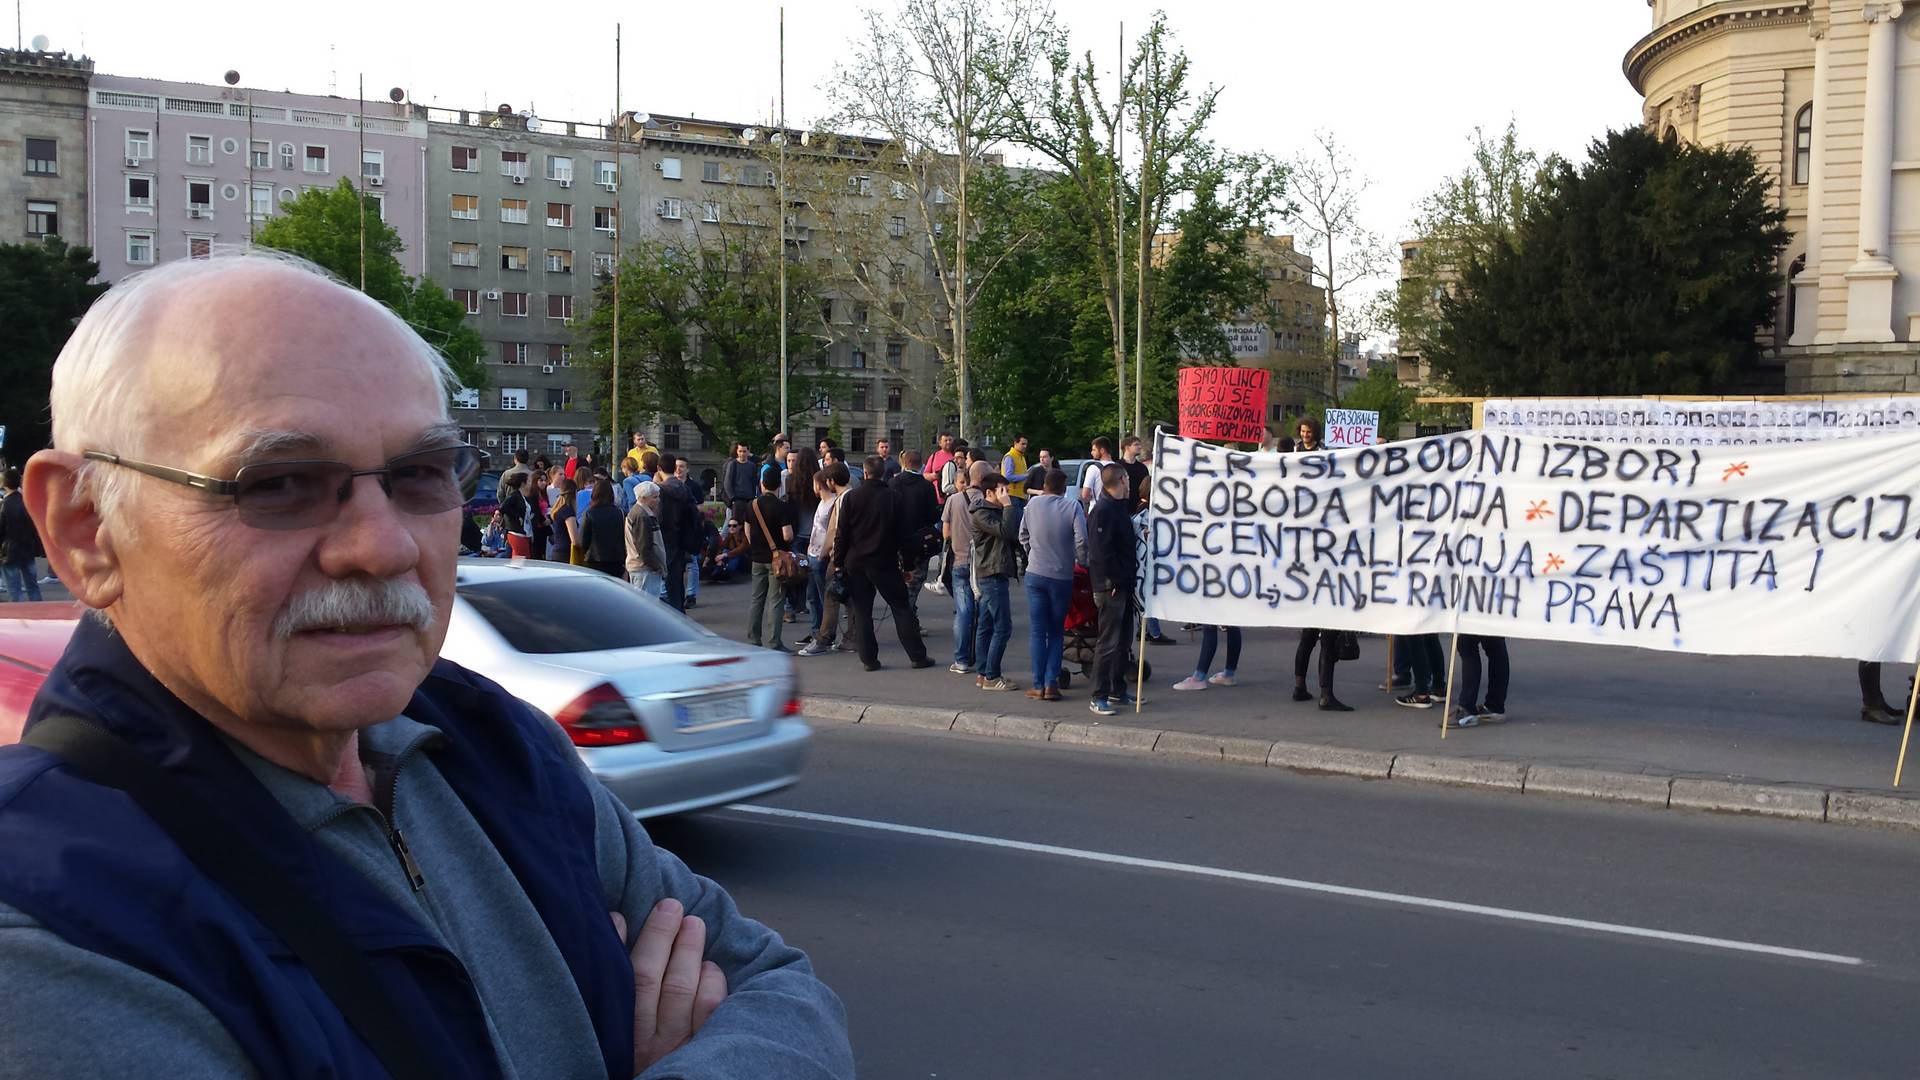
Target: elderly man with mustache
x=257, y=827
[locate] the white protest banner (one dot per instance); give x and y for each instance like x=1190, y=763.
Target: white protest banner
x=1645, y=422
x=1785, y=550
x=1352, y=427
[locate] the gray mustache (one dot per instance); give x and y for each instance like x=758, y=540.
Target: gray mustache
x=356, y=602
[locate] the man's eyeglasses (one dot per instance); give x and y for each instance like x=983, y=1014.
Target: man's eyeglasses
x=302, y=494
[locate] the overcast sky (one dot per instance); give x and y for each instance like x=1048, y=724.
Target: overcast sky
x=1401, y=82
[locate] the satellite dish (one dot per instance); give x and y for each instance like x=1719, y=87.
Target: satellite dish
x=506, y=110
x=643, y=119
x=232, y=77
x=40, y=43
x=396, y=95
x=750, y=135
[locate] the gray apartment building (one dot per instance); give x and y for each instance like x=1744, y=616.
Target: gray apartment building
x=43, y=146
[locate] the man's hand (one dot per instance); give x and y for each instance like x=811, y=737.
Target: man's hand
x=674, y=989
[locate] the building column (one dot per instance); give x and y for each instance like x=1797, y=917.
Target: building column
x=1870, y=279
x=1806, y=285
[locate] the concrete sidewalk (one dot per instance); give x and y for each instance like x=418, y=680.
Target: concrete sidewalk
x=1763, y=735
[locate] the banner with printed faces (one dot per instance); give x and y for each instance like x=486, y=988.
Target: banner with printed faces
x=1642, y=422
x=1791, y=549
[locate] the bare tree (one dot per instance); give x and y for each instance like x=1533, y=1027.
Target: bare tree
x=1327, y=189
x=935, y=82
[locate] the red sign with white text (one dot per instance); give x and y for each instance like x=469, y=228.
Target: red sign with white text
x=1224, y=404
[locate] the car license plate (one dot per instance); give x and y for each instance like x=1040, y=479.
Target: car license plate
x=706, y=713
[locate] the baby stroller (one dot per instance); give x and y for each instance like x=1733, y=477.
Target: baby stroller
x=1083, y=633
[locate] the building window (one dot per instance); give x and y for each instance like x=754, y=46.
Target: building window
x=43, y=157
x=513, y=258
x=896, y=351
x=603, y=218
x=465, y=398
x=514, y=304
x=315, y=159
x=748, y=175
x=468, y=299
x=286, y=156
x=859, y=185
x=669, y=209
x=859, y=358
x=669, y=168
x=466, y=207
x=140, y=248
x=513, y=211
x=859, y=441
x=897, y=189
x=559, y=399
x=513, y=440
x=260, y=154
x=710, y=171
x=670, y=436
x=200, y=196
x=514, y=399
x=859, y=314
x=606, y=174
x=899, y=436
x=513, y=352
x=199, y=149
x=559, y=261
x=465, y=159
x=826, y=311
x=139, y=191
x=373, y=165
x=559, y=168
x=378, y=200
x=559, y=215
x=893, y=399
x=139, y=145
x=709, y=211
x=819, y=436
x=199, y=247
x=261, y=203
x=513, y=163
x=602, y=264
x=1803, y=144
x=560, y=355
x=560, y=306
x=896, y=226
x=859, y=399
x=464, y=254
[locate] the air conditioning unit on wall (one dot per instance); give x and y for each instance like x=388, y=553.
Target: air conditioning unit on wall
x=546, y=369
x=493, y=294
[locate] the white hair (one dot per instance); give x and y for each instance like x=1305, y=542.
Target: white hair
x=647, y=489
x=96, y=379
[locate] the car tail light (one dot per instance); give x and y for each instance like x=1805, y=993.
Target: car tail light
x=601, y=717
x=792, y=707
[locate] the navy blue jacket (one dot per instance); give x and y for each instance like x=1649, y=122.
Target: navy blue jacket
x=96, y=871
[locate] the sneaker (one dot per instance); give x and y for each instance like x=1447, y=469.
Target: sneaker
x=1126, y=699
x=813, y=648
x=1001, y=683
x=1490, y=716
x=923, y=662
x=1415, y=700
x=1100, y=707
x=1191, y=682
x=960, y=669
x=841, y=646
x=1457, y=719
x=1221, y=678
x=808, y=640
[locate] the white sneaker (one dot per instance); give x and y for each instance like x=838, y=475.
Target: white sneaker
x=1223, y=679
x=960, y=669
x=1190, y=683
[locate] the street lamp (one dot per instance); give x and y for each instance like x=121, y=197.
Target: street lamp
x=233, y=79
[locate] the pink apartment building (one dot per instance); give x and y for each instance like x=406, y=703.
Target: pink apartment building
x=177, y=170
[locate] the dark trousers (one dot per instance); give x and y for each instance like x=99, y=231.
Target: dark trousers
x=677, y=581
x=1471, y=646
x=1110, y=653
x=1428, y=659
x=1329, y=641
x=863, y=583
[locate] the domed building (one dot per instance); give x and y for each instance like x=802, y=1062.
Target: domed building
x=1827, y=94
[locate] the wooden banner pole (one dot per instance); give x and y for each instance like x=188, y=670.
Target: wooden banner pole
x=1446, y=702
x=1913, y=695
x=1389, y=663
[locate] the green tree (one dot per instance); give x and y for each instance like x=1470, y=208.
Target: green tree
x=1383, y=392
x=700, y=336
x=1649, y=269
x=323, y=226
x=44, y=289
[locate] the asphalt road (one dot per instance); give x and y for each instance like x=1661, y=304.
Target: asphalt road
x=1229, y=958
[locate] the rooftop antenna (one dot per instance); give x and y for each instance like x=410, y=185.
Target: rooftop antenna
x=781, y=141
x=361, y=176
x=233, y=79
x=619, y=136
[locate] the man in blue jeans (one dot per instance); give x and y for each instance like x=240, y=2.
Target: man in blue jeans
x=996, y=528
x=19, y=542
x=1054, y=533
x=956, y=526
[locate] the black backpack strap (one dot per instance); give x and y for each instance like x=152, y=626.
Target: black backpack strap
x=335, y=963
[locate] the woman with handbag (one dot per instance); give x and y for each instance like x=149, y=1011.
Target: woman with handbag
x=1335, y=645
x=769, y=531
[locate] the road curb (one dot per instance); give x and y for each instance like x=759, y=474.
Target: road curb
x=1727, y=795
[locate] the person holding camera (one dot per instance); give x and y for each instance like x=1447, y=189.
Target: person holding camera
x=996, y=531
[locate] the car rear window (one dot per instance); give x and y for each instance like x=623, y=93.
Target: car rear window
x=571, y=613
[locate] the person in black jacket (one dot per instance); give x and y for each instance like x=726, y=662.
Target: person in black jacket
x=19, y=543
x=740, y=485
x=679, y=530
x=867, y=549
x=919, y=523
x=603, y=532
x=1112, y=566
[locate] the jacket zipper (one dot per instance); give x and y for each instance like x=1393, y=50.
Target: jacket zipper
x=398, y=842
